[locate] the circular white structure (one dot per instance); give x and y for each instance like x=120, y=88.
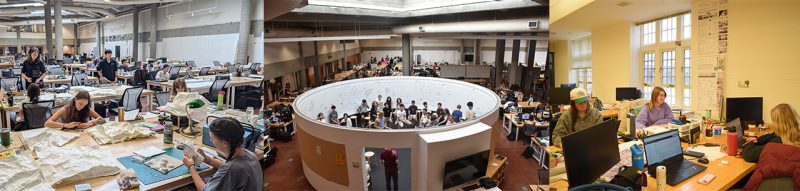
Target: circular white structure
x=332, y=155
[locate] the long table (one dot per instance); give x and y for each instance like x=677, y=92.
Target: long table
x=205, y=82
x=126, y=149
x=52, y=80
x=726, y=175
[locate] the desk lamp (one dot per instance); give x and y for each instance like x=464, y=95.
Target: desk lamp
x=197, y=103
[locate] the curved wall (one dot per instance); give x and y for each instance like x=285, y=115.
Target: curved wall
x=323, y=146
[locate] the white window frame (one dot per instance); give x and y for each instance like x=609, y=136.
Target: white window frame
x=667, y=32
x=581, y=68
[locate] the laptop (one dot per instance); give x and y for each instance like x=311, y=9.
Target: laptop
x=737, y=123
x=665, y=149
x=526, y=116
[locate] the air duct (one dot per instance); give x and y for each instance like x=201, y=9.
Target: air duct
x=489, y=26
x=126, y=2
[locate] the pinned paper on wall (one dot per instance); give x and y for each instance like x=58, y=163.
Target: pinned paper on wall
x=712, y=24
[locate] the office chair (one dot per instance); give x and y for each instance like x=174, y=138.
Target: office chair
x=36, y=114
x=130, y=100
x=216, y=63
x=163, y=98
x=57, y=71
x=78, y=79
x=216, y=87
x=174, y=73
x=204, y=71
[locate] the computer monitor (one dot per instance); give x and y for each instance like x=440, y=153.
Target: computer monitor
x=465, y=169
x=628, y=93
x=747, y=109
x=591, y=152
x=570, y=86
x=558, y=96
x=736, y=124
x=526, y=116
x=662, y=148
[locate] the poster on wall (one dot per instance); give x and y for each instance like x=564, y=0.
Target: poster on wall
x=712, y=30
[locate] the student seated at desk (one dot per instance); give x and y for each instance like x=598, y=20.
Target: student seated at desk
x=579, y=116
x=179, y=85
x=126, y=65
x=780, y=160
x=33, y=97
x=75, y=114
x=241, y=170
x=784, y=120
x=656, y=112
x=163, y=75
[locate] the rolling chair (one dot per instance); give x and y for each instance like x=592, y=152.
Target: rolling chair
x=162, y=98
x=216, y=87
x=36, y=114
x=130, y=101
x=8, y=83
x=174, y=73
x=204, y=71
x=78, y=79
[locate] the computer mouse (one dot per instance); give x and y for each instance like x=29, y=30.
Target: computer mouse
x=703, y=160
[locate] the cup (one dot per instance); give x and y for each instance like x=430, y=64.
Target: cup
x=5, y=137
x=717, y=130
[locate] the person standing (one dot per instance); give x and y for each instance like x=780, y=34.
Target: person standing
x=107, y=68
x=390, y=163
x=470, y=112
x=33, y=70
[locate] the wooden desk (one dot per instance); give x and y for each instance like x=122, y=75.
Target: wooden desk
x=126, y=149
x=6, y=65
x=524, y=104
x=726, y=175
x=509, y=120
x=495, y=172
x=610, y=113
x=51, y=81
x=343, y=75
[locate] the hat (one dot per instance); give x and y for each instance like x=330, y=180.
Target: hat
x=578, y=95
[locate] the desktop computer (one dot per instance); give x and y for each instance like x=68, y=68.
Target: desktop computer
x=590, y=153
x=628, y=93
x=748, y=109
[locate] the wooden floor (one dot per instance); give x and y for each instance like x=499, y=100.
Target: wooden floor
x=287, y=172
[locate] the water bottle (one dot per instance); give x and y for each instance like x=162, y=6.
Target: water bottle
x=168, y=133
x=732, y=142
x=637, y=157
x=220, y=100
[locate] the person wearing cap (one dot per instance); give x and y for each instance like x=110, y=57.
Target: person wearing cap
x=656, y=111
x=579, y=116
x=107, y=68
x=33, y=70
x=163, y=75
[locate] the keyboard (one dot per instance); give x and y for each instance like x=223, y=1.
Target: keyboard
x=678, y=172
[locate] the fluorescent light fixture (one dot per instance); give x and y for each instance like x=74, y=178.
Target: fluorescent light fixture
x=329, y=38
x=22, y=5
x=413, y=7
x=486, y=37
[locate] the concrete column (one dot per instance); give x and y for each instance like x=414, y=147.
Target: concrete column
x=244, y=32
x=48, y=30
x=99, y=39
x=303, y=73
x=513, y=69
x=19, y=37
x=406, y=54
x=59, y=34
x=499, y=53
x=476, y=51
x=77, y=39
x=135, y=45
x=461, y=51
x=317, y=70
x=343, y=65
x=530, y=78
x=153, y=31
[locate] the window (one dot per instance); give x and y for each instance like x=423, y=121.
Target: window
x=687, y=97
x=687, y=67
x=659, y=52
x=670, y=99
x=649, y=69
x=668, y=68
x=581, y=71
x=687, y=26
x=668, y=29
x=649, y=33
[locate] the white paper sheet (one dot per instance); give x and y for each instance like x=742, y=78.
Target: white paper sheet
x=712, y=153
x=131, y=115
x=149, y=152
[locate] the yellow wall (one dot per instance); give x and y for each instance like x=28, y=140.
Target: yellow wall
x=764, y=41
x=561, y=8
x=561, y=60
x=611, y=60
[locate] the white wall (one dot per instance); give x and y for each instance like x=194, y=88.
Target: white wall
x=430, y=147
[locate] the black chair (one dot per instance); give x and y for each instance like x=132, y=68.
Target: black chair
x=216, y=87
x=140, y=78
x=216, y=63
x=130, y=101
x=163, y=98
x=232, y=68
x=79, y=79
x=204, y=71
x=36, y=114
x=254, y=68
x=57, y=71
x=553, y=123
x=174, y=73
x=8, y=83
x=191, y=64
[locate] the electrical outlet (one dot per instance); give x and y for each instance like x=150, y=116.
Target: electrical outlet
x=745, y=84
